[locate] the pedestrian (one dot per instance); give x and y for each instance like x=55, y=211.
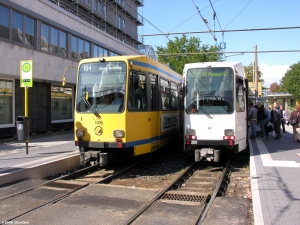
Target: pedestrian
x=276, y=117
x=295, y=114
x=283, y=120
x=268, y=122
x=262, y=120
x=252, y=117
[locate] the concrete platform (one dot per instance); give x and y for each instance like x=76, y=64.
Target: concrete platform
x=275, y=180
x=46, y=156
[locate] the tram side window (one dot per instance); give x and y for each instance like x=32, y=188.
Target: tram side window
x=240, y=96
x=137, y=92
x=174, y=96
x=153, y=93
x=165, y=94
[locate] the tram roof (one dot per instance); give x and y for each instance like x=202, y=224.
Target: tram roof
x=212, y=64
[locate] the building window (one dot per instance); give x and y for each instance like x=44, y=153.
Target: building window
x=99, y=6
x=71, y=11
x=61, y=103
x=17, y=26
x=53, y=1
x=53, y=40
x=105, y=52
x=80, y=48
x=98, y=51
x=123, y=25
x=6, y=102
x=120, y=22
x=29, y=31
x=45, y=37
x=62, y=6
x=105, y=10
x=4, y=22
x=63, y=43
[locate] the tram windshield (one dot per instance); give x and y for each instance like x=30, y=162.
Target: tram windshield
x=209, y=91
x=101, y=87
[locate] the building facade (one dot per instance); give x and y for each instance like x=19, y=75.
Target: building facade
x=55, y=35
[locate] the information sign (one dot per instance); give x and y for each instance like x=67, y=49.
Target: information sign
x=26, y=73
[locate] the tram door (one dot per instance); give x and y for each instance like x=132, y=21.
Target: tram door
x=139, y=122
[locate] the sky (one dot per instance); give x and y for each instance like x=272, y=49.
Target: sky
x=181, y=16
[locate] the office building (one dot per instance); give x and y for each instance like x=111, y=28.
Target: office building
x=55, y=35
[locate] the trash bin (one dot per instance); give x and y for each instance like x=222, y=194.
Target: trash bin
x=22, y=124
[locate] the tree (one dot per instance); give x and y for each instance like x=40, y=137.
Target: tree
x=249, y=73
x=274, y=87
x=290, y=81
x=169, y=55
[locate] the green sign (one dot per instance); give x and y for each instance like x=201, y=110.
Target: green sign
x=26, y=73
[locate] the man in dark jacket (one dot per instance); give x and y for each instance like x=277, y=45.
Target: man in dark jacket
x=262, y=119
x=276, y=117
x=252, y=116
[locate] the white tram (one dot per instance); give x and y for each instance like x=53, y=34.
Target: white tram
x=215, y=116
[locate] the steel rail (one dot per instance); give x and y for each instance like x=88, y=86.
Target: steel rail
x=157, y=196
x=208, y=206
x=76, y=190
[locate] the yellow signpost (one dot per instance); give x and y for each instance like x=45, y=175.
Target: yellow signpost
x=26, y=81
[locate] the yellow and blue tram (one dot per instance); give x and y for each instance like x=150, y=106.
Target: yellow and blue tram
x=125, y=106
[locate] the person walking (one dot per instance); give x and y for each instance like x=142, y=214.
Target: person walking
x=276, y=117
x=252, y=117
x=295, y=114
x=283, y=120
x=262, y=120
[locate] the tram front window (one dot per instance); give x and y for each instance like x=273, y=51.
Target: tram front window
x=101, y=87
x=209, y=91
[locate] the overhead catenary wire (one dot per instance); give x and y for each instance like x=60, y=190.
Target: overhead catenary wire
x=237, y=52
x=238, y=14
x=238, y=30
x=206, y=23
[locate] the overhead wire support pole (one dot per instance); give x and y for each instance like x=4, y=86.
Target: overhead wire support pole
x=256, y=73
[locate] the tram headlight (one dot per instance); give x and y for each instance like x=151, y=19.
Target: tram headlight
x=190, y=131
x=80, y=132
x=229, y=132
x=119, y=133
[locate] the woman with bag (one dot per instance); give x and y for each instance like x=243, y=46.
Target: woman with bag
x=294, y=121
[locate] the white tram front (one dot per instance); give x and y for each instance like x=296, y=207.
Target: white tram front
x=215, y=116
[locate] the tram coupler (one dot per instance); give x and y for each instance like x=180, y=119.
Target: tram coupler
x=207, y=154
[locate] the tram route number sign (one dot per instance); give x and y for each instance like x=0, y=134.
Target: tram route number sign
x=26, y=73
x=222, y=45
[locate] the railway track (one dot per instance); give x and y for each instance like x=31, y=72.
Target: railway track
x=181, y=194
x=191, y=193
x=67, y=184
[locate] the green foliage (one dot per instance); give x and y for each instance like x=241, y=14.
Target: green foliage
x=290, y=81
x=175, y=52
x=249, y=73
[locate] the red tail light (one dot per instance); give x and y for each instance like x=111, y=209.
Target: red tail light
x=228, y=137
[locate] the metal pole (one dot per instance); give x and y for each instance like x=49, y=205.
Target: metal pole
x=26, y=112
x=256, y=73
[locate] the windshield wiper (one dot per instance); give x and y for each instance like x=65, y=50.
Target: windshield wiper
x=202, y=110
x=94, y=109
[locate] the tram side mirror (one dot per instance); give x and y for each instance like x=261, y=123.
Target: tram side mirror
x=181, y=89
